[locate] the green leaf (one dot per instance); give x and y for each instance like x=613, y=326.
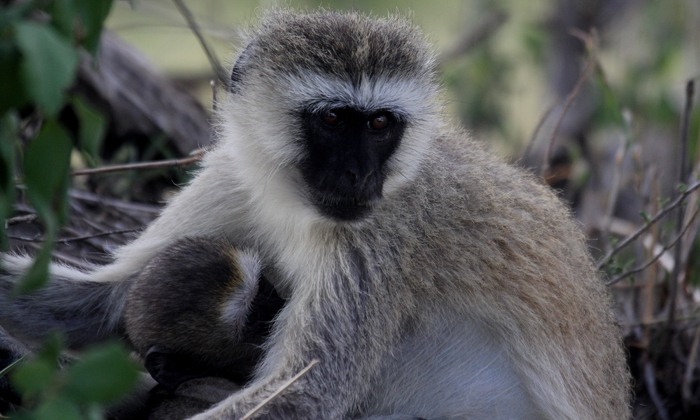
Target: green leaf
x=62, y=16
x=46, y=165
x=93, y=126
x=8, y=142
x=48, y=64
x=14, y=13
x=12, y=88
x=32, y=378
x=38, y=273
x=52, y=348
x=58, y=409
x=92, y=15
x=645, y=216
x=80, y=19
x=103, y=375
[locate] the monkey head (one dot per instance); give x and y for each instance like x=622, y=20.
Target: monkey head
x=200, y=308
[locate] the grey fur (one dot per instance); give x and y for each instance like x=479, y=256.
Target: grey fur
x=460, y=243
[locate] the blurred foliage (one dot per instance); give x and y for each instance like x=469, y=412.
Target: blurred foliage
x=41, y=43
x=76, y=391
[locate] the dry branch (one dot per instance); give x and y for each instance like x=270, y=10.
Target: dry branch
x=281, y=389
x=142, y=165
x=221, y=74
x=667, y=209
x=685, y=128
x=474, y=36
x=591, y=42
x=77, y=238
x=658, y=255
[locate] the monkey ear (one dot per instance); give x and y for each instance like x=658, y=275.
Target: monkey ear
x=170, y=368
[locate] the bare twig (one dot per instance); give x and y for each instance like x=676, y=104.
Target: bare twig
x=78, y=238
x=9, y=367
x=650, y=379
x=614, y=191
x=66, y=258
x=474, y=37
x=685, y=128
x=221, y=74
x=667, y=208
x=647, y=292
x=658, y=255
x=118, y=204
x=538, y=127
x=569, y=100
x=274, y=395
x=21, y=219
x=686, y=392
x=692, y=322
x=197, y=156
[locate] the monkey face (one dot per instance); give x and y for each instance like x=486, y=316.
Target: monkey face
x=330, y=120
x=345, y=164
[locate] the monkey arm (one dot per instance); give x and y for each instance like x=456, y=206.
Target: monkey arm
x=349, y=341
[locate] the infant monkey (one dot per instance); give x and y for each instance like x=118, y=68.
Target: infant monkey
x=201, y=308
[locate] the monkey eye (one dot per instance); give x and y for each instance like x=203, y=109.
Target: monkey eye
x=333, y=118
x=378, y=122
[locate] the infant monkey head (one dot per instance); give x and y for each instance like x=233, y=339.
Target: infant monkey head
x=200, y=308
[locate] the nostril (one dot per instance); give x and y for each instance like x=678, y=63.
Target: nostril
x=352, y=175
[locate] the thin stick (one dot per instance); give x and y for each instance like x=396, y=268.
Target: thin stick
x=123, y=206
x=648, y=290
x=474, y=37
x=686, y=393
x=141, y=165
x=650, y=379
x=21, y=219
x=689, y=92
x=274, y=395
x=569, y=100
x=658, y=255
x=538, y=127
x=78, y=238
x=213, y=61
x=668, y=208
x=7, y=369
x=614, y=192
x=694, y=318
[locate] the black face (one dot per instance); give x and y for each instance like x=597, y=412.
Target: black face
x=347, y=153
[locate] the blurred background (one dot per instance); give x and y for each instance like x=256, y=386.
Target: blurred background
x=594, y=97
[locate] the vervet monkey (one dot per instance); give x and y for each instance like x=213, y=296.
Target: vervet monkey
x=201, y=308
x=428, y=277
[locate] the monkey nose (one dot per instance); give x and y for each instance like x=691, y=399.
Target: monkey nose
x=357, y=178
